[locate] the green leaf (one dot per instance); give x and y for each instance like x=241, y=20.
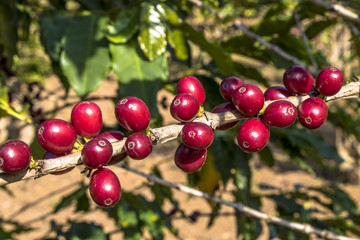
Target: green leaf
x=9, y=16
x=250, y=72
x=178, y=42
x=78, y=194
x=267, y=157
x=88, y=231
x=316, y=27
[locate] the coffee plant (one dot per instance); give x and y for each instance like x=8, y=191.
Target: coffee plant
x=254, y=84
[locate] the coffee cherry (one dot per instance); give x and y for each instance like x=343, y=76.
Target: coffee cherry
x=86, y=119
x=280, y=114
x=253, y=135
x=105, y=188
x=312, y=112
x=197, y=135
x=189, y=159
x=228, y=87
x=184, y=107
x=96, y=153
x=132, y=114
x=49, y=155
x=138, y=146
x=276, y=93
x=298, y=80
x=224, y=107
x=193, y=86
x=248, y=99
x=329, y=81
x=15, y=156
x=56, y=136
x=113, y=136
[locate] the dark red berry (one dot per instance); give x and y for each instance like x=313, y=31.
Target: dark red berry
x=184, y=107
x=224, y=107
x=228, y=87
x=189, y=159
x=193, y=86
x=197, y=135
x=132, y=114
x=329, y=81
x=49, y=155
x=138, y=146
x=312, y=112
x=86, y=119
x=56, y=136
x=248, y=99
x=105, y=188
x=253, y=135
x=280, y=114
x=114, y=136
x=15, y=156
x=298, y=80
x=276, y=93
x=96, y=153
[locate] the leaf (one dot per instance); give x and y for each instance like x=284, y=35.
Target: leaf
x=316, y=27
x=250, y=72
x=69, y=199
x=178, y=42
x=83, y=230
x=9, y=16
x=91, y=4
x=267, y=157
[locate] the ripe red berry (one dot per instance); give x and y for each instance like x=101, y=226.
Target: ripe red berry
x=193, y=86
x=248, y=99
x=189, y=159
x=184, y=107
x=132, y=114
x=228, y=87
x=298, y=80
x=15, y=156
x=329, y=81
x=96, y=153
x=312, y=112
x=113, y=136
x=253, y=135
x=276, y=93
x=197, y=135
x=105, y=188
x=56, y=136
x=138, y=146
x=280, y=114
x=224, y=107
x=86, y=119
x=49, y=155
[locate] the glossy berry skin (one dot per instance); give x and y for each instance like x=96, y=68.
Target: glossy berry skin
x=189, y=159
x=228, y=87
x=138, y=146
x=248, y=99
x=253, y=135
x=56, y=136
x=280, y=114
x=312, y=112
x=276, y=93
x=329, y=81
x=193, y=86
x=298, y=80
x=197, y=135
x=105, y=188
x=184, y=107
x=15, y=156
x=49, y=155
x=132, y=114
x=224, y=107
x=113, y=136
x=96, y=153
x=86, y=119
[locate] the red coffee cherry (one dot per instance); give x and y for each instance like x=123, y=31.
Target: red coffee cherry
x=280, y=114
x=56, y=136
x=224, y=107
x=197, y=135
x=329, y=81
x=96, y=153
x=184, y=107
x=298, y=80
x=138, y=146
x=132, y=114
x=105, y=188
x=248, y=99
x=15, y=156
x=113, y=136
x=276, y=93
x=312, y=112
x=86, y=119
x=49, y=155
x=228, y=87
x=189, y=159
x=193, y=86
x=253, y=135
